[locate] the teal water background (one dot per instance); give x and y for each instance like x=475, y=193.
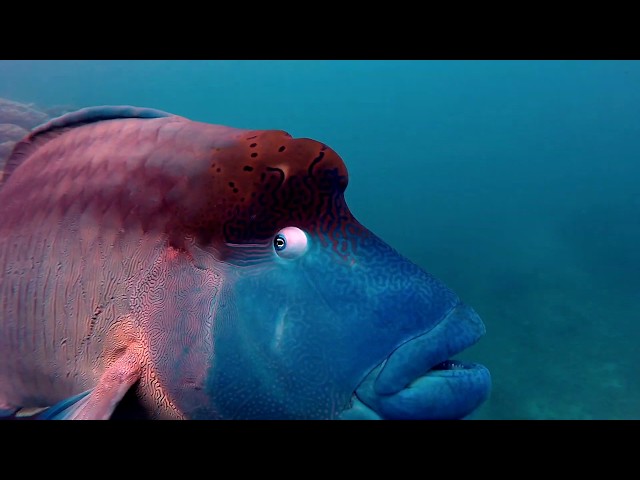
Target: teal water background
x=515, y=182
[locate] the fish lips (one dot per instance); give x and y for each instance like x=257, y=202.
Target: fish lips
x=419, y=381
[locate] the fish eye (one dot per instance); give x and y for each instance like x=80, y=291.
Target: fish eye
x=290, y=242
x=280, y=242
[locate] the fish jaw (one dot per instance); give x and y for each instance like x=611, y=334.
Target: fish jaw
x=418, y=381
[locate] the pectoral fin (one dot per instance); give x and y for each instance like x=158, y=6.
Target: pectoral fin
x=7, y=410
x=99, y=402
x=67, y=407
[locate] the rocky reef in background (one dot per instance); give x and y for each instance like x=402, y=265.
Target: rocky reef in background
x=17, y=119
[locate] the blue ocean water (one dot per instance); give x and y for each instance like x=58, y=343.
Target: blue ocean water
x=515, y=182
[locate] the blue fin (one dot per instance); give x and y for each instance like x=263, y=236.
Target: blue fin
x=97, y=114
x=7, y=412
x=54, y=127
x=66, y=408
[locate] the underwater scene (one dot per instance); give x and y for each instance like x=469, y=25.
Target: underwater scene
x=310, y=239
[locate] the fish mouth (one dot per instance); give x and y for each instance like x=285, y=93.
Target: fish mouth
x=420, y=381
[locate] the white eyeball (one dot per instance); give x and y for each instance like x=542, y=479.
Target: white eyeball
x=290, y=242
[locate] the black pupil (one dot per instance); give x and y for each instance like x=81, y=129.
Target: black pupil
x=279, y=242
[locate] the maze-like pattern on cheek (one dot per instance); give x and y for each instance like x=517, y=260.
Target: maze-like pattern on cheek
x=175, y=305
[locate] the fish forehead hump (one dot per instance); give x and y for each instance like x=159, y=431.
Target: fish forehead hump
x=217, y=183
x=267, y=180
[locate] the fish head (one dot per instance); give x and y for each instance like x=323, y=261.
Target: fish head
x=315, y=317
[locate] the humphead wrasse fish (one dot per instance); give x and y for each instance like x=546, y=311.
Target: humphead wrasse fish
x=156, y=267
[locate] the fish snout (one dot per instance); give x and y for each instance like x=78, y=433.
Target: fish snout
x=419, y=380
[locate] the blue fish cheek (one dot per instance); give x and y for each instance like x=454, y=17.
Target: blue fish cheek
x=379, y=300
x=297, y=336
x=280, y=350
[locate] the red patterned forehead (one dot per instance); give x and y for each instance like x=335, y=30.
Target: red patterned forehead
x=266, y=180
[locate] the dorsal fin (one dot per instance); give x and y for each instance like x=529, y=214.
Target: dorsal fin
x=56, y=126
